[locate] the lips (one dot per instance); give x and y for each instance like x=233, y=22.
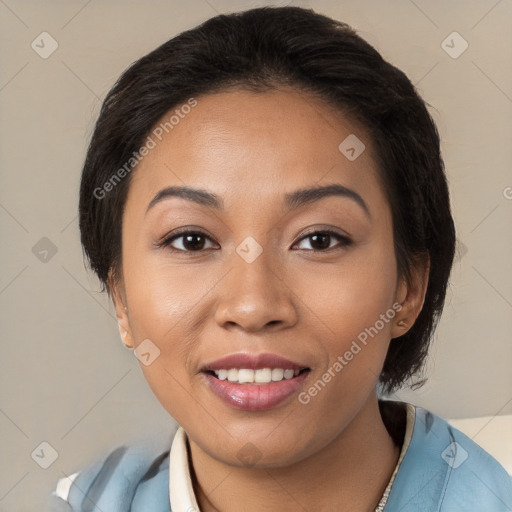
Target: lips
x=254, y=382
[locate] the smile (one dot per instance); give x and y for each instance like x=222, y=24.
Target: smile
x=254, y=383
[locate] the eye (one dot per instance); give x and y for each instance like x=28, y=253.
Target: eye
x=187, y=241
x=196, y=241
x=322, y=240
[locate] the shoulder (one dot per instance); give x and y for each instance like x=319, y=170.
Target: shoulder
x=131, y=477
x=444, y=470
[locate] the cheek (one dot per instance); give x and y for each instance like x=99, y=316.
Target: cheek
x=352, y=305
x=162, y=317
x=161, y=295
x=168, y=306
x=348, y=297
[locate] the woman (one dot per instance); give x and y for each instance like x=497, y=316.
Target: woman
x=265, y=202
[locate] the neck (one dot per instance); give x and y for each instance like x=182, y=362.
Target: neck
x=362, y=457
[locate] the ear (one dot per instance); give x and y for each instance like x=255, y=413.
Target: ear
x=410, y=294
x=118, y=296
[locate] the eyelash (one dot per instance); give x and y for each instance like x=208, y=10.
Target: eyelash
x=166, y=242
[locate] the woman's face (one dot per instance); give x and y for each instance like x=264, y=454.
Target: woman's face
x=261, y=284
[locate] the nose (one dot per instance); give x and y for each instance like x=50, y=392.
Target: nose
x=256, y=295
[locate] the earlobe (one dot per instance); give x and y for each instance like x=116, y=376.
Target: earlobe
x=126, y=338
x=411, y=296
x=123, y=321
x=401, y=325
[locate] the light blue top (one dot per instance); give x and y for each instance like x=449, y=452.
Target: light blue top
x=442, y=470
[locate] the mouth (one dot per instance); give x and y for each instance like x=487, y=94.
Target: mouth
x=254, y=383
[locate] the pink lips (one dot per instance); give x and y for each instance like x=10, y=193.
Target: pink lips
x=254, y=397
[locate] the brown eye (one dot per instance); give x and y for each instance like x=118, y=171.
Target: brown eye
x=186, y=241
x=193, y=242
x=320, y=241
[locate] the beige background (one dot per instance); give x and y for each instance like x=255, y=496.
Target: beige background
x=65, y=377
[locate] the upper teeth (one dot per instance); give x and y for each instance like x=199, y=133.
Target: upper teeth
x=262, y=376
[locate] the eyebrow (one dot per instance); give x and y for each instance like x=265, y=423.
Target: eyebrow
x=293, y=200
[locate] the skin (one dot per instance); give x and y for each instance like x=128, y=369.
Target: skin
x=305, y=305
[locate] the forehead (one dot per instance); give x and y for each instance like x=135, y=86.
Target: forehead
x=238, y=143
